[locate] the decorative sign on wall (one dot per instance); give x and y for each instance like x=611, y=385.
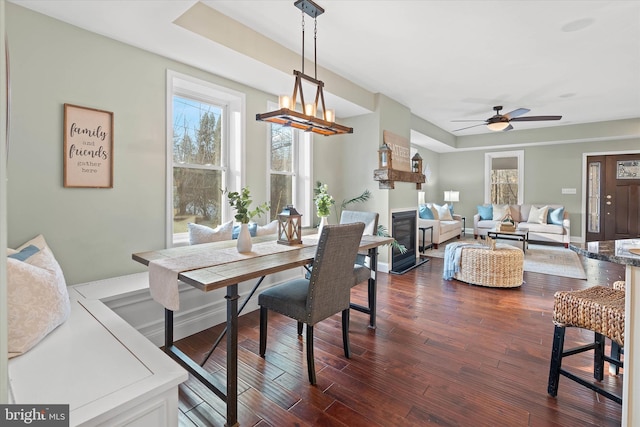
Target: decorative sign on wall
x=399, y=149
x=88, y=147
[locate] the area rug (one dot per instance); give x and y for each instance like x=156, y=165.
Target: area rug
x=544, y=259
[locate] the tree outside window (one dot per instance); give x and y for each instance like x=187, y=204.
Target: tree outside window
x=504, y=174
x=282, y=168
x=198, y=167
x=504, y=186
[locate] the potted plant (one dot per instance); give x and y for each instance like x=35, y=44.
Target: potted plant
x=323, y=201
x=241, y=202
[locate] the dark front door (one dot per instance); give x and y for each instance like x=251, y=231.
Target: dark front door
x=613, y=197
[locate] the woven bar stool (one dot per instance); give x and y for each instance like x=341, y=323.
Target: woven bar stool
x=616, y=350
x=599, y=309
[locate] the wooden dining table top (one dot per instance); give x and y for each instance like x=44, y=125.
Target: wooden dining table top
x=227, y=266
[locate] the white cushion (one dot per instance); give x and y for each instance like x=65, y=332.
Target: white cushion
x=434, y=210
x=37, y=297
x=444, y=213
x=538, y=215
x=541, y=228
x=271, y=228
x=447, y=226
x=500, y=212
x=203, y=234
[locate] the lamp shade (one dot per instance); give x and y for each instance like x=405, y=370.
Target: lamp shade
x=451, y=196
x=421, y=198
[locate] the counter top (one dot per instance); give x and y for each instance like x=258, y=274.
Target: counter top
x=616, y=251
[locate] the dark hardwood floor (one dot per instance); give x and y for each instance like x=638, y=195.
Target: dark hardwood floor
x=444, y=352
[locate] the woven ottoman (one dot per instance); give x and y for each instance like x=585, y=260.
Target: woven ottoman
x=497, y=268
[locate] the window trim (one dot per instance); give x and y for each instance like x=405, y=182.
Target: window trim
x=302, y=185
x=233, y=162
x=488, y=157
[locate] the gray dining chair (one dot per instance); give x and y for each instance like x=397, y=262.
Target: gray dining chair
x=324, y=294
x=362, y=272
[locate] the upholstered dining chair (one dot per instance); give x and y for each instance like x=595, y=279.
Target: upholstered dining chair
x=324, y=294
x=370, y=219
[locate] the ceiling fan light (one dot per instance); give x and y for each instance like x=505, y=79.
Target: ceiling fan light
x=497, y=126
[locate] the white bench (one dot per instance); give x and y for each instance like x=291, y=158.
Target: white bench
x=101, y=366
x=104, y=360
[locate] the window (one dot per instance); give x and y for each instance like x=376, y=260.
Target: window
x=282, y=168
x=289, y=171
x=504, y=174
x=203, y=144
x=593, y=197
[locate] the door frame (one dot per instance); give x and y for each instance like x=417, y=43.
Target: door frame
x=583, y=202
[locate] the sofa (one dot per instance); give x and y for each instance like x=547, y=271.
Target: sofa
x=446, y=225
x=545, y=222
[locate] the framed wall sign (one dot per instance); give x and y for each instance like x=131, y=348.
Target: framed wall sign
x=88, y=147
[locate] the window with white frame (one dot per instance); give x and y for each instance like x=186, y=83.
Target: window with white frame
x=290, y=171
x=504, y=177
x=204, y=145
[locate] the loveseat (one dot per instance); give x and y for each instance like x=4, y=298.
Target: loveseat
x=446, y=225
x=546, y=225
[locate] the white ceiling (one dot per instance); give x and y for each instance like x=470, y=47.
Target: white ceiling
x=445, y=60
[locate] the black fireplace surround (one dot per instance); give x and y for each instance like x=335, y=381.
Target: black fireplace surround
x=404, y=230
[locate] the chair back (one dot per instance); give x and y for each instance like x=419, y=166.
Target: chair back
x=332, y=275
x=370, y=220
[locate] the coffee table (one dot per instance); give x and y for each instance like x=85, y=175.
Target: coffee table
x=518, y=234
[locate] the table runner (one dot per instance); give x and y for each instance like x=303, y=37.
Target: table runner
x=163, y=273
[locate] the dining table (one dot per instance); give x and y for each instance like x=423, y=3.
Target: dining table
x=219, y=265
x=626, y=252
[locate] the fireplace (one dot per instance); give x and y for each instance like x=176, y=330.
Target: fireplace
x=403, y=229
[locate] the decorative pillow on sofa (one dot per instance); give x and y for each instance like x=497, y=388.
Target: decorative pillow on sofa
x=500, y=212
x=37, y=296
x=538, y=215
x=485, y=212
x=271, y=228
x=203, y=234
x=444, y=212
x=555, y=216
x=425, y=212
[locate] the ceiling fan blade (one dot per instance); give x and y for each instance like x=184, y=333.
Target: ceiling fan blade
x=507, y=128
x=468, y=120
x=516, y=113
x=468, y=127
x=535, y=118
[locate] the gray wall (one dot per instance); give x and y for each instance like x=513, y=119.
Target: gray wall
x=548, y=169
x=93, y=232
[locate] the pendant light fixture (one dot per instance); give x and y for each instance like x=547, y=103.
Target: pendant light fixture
x=314, y=117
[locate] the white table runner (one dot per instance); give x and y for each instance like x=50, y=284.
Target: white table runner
x=163, y=273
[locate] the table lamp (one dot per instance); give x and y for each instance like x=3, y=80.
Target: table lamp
x=451, y=196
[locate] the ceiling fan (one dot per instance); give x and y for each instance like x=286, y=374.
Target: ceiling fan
x=500, y=122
